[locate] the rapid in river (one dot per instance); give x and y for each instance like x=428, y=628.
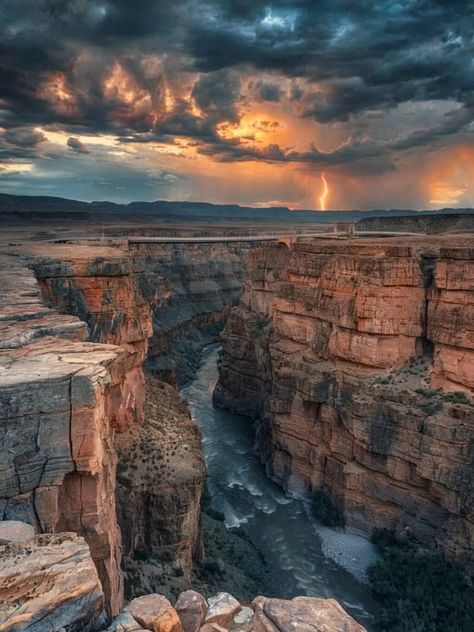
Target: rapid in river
x=303, y=557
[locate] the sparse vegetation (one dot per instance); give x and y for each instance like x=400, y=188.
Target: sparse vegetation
x=325, y=510
x=419, y=592
x=457, y=397
x=430, y=408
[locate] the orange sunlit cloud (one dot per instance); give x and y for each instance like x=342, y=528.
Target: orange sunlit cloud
x=57, y=91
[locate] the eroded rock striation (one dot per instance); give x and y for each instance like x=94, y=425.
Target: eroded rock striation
x=338, y=349
x=63, y=398
x=101, y=287
x=73, y=343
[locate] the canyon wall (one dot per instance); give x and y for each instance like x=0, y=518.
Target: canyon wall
x=101, y=287
x=190, y=288
x=61, y=401
x=158, y=493
x=356, y=357
x=160, y=478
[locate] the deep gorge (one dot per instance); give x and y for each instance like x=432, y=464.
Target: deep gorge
x=335, y=352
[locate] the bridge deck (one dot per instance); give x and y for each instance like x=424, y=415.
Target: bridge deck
x=237, y=238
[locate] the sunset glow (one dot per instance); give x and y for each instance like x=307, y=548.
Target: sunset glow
x=136, y=94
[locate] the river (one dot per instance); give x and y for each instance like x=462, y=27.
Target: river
x=303, y=557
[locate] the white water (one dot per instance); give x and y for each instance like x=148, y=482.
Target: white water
x=304, y=557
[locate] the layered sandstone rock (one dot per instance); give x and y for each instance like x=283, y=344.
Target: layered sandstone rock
x=333, y=349
x=451, y=319
x=62, y=398
x=190, y=288
x=161, y=474
x=101, y=287
x=47, y=583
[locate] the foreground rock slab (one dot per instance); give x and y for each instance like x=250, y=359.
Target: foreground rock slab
x=49, y=582
x=305, y=614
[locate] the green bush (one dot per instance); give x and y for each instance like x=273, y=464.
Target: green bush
x=419, y=592
x=458, y=397
x=325, y=510
x=140, y=555
x=430, y=408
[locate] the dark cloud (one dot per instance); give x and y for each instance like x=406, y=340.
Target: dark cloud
x=24, y=137
x=217, y=94
x=268, y=91
x=77, y=145
x=157, y=71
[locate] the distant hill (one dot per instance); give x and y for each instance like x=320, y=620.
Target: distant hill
x=53, y=207
x=441, y=222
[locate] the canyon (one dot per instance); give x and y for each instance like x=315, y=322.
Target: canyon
x=76, y=322
x=354, y=358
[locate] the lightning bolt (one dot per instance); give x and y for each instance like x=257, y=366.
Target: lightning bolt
x=324, y=196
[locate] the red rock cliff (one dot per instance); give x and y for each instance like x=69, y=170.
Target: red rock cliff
x=338, y=348
x=102, y=289
x=62, y=398
x=116, y=294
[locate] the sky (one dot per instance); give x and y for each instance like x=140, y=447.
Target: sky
x=331, y=104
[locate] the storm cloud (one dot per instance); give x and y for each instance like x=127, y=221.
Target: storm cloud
x=194, y=71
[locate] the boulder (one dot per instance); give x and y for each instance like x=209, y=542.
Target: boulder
x=191, y=608
x=243, y=620
x=305, y=614
x=154, y=612
x=125, y=623
x=222, y=609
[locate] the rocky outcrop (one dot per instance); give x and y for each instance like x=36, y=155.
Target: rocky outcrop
x=223, y=613
x=337, y=349
x=101, y=287
x=15, y=531
x=159, y=489
x=160, y=477
x=190, y=288
x=62, y=399
x=450, y=318
x=49, y=583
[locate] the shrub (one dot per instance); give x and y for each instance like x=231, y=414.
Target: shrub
x=432, y=407
x=419, y=592
x=427, y=392
x=325, y=510
x=458, y=397
x=140, y=555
